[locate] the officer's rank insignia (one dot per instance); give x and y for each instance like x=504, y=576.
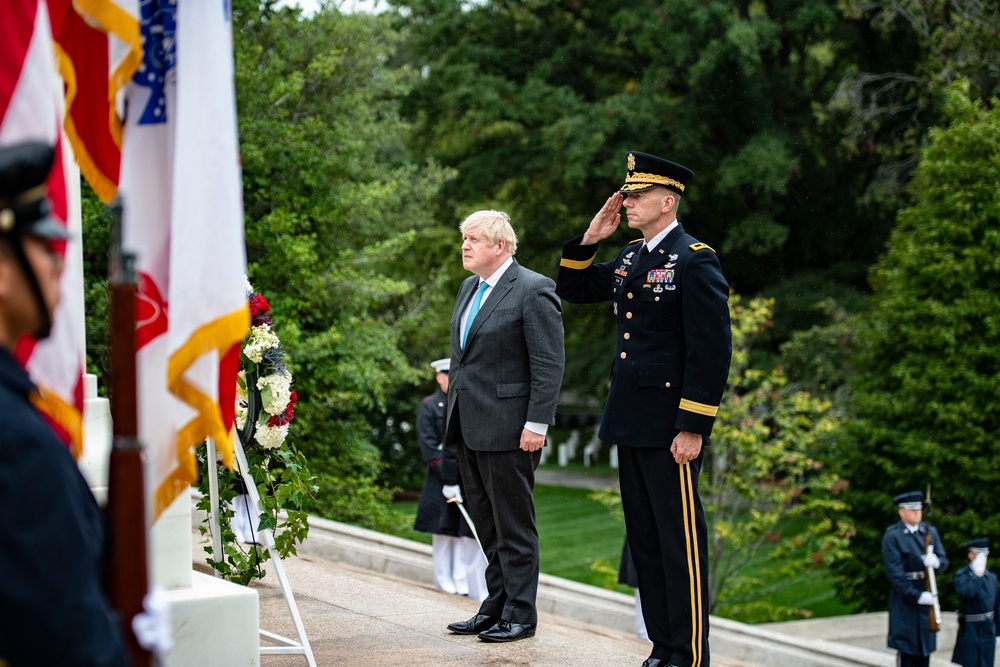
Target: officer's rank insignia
x=660, y=276
x=631, y=162
x=701, y=246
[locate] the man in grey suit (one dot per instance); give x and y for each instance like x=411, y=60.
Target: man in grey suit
x=506, y=368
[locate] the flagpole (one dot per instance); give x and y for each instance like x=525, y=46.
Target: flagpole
x=128, y=567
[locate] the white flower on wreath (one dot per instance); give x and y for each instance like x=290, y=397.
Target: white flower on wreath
x=280, y=386
x=269, y=436
x=241, y=415
x=259, y=340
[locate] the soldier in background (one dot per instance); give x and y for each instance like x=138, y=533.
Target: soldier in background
x=906, y=560
x=54, y=547
x=459, y=564
x=449, y=572
x=978, y=609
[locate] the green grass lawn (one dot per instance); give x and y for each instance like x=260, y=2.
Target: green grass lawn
x=574, y=532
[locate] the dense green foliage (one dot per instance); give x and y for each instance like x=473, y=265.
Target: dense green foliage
x=770, y=496
x=923, y=409
x=334, y=212
x=536, y=103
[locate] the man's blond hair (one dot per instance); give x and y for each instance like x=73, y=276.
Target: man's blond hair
x=494, y=226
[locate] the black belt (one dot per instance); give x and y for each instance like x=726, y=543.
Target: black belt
x=974, y=618
x=915, y=575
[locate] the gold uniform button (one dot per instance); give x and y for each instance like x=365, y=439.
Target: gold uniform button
x=627, y=335
x=629, y=295
x=667, y=385
x=623, y=355
x=628, y=316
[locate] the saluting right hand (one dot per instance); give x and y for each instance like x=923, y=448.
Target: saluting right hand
x=606, y=221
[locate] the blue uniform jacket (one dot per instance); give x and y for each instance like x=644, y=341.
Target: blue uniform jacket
x=975, y=644
x=672, y=358
x=909, y=623
x=52, y=555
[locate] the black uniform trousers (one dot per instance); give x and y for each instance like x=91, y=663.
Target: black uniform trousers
x=668, y=537
x=498, y=488
x=907, y=660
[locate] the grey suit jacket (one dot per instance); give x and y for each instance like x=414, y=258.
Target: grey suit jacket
x=511, y=368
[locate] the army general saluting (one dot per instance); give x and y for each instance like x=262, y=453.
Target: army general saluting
x=672, y=353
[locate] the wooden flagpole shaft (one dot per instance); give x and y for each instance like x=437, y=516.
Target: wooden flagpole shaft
x=127, y=577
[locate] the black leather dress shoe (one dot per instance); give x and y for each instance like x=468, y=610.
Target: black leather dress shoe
x=656, y=662
x=474, y=625
x=505, y=631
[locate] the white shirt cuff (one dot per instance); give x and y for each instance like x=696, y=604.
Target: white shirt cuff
x=535, y=427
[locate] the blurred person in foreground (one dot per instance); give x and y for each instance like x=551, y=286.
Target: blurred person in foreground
x=506, y=369
x=54, y=548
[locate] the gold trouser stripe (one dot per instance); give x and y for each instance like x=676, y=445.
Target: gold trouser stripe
x=694, y=564
x=699, y=408
x=576, y=264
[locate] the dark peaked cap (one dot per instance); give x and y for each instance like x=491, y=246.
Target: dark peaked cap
x=24, y=204
x=908, y=498
x=646, y=171
x=980, y=543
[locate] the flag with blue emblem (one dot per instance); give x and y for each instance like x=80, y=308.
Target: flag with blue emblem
x=183, y=216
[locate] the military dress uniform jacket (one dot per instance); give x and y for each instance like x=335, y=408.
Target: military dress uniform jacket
x=978, y=618
x=430, y=432
x=52, y=556
x=909, y=623
x=672, y=356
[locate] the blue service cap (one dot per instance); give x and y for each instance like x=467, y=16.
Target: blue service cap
x=911, y=500
x=979, y=545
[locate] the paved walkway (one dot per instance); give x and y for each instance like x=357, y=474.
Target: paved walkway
x=360, y=618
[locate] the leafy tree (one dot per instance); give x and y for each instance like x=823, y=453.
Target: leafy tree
x=535, y=103
x=335, y=206
x=923, y=408
x=770, y=498
x=893, y=103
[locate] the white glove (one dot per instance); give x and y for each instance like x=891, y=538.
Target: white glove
x=931, y=560
x=452, y=491
x=926, y=598
x=152, y=626
x=979, y=564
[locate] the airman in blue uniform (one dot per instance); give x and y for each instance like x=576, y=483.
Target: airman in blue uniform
x=672, y=352
x=978, y=609
x=907, y=562
x=54, y=610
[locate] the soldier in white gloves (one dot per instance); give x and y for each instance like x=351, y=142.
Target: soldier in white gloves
x=907, y=562
x=978, y=609
x=467, y=549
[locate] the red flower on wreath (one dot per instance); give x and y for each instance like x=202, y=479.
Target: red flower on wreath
x=286, y=416
x=259, y=308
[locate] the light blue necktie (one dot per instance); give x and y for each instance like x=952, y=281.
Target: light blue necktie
x=476, y=302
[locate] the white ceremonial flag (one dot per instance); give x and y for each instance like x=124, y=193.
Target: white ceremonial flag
x=183, y=216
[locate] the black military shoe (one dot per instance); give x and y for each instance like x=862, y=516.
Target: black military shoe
x=474, y=625
x=505, y=631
